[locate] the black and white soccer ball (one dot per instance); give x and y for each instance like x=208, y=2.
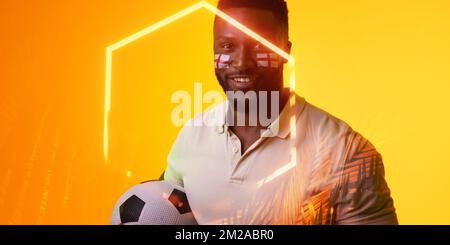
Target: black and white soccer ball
x=153, y=203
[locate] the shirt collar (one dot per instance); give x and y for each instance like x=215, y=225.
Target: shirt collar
x=280, y=127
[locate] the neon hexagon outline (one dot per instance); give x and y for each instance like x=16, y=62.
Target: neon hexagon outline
x=177, y=16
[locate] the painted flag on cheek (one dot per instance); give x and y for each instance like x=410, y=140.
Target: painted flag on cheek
x=221, y=61
x=267, y=60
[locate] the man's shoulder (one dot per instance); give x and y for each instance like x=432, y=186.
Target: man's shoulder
x=322, y=124
x=332, y=132
x=205, y=122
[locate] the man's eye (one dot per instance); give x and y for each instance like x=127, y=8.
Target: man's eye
x=227, y=46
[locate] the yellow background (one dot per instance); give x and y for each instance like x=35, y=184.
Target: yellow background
x=382, y=66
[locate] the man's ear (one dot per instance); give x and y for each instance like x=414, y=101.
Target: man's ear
x=287, y=49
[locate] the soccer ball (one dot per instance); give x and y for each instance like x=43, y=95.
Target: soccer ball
x=153, y=203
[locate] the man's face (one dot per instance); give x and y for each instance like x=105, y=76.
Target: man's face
x=243, y=64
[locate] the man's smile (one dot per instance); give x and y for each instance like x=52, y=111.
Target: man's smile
x=242, y=81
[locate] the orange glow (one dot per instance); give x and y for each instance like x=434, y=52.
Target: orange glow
x=381, y=66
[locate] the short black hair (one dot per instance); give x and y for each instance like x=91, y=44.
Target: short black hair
x=277, y=7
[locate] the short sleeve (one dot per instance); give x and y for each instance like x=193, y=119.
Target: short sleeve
x=364, y=196
x=172, y=173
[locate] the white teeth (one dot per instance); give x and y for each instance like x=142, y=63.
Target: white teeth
x=242, y=80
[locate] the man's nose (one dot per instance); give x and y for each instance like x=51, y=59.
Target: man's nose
x=244, y=59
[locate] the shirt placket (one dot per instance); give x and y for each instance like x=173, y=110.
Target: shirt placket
x=235, y=143
x=238, y=164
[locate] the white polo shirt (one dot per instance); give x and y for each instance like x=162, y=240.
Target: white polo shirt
x=324, y=174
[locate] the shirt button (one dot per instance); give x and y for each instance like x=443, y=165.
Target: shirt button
x=219, y=130
x=235, y=149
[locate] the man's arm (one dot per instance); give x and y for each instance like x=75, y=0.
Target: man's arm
x=172, y=173
x=364, y=196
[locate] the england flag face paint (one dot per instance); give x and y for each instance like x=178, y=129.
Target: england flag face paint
x=221, y=61
x=267, y=60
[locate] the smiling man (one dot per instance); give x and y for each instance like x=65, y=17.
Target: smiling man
x=242, y=172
